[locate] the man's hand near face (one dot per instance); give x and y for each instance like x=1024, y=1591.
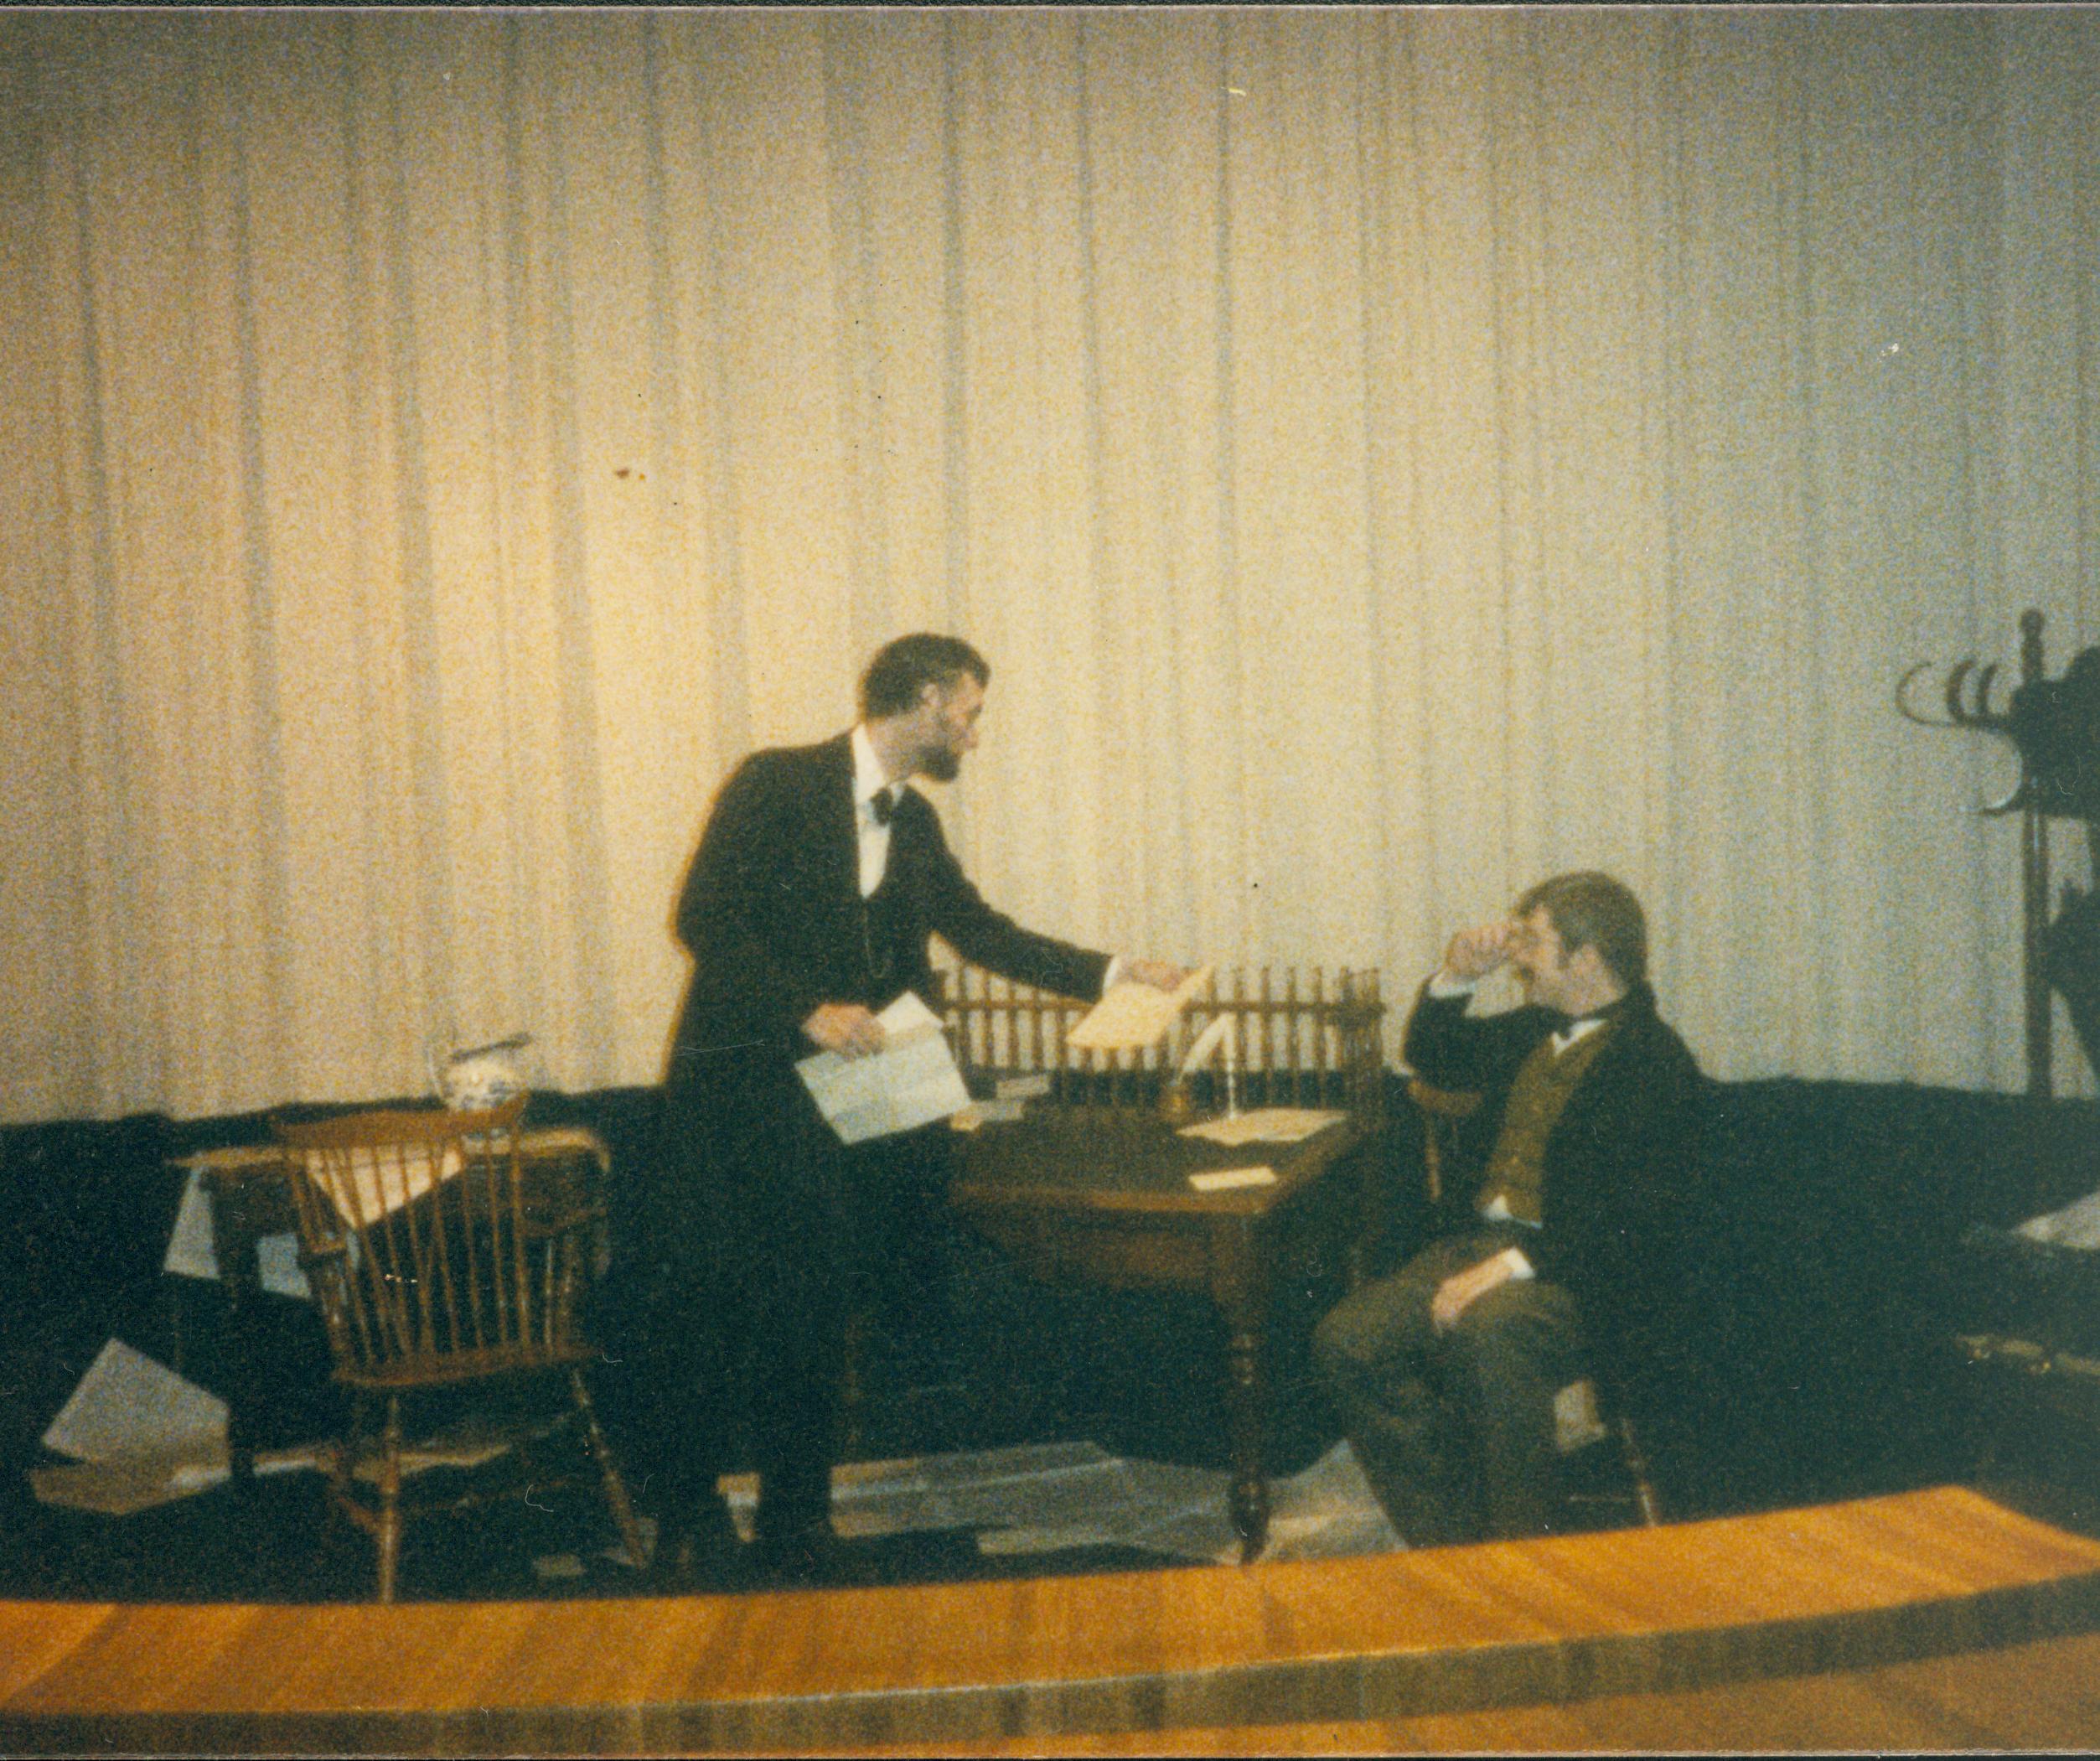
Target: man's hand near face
x=1474, y=953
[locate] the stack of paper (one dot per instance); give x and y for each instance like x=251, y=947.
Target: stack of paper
x=141, y=1433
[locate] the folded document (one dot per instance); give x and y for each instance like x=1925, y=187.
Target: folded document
x=911, y=1082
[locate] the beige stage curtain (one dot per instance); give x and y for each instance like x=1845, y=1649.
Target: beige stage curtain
x=1387, y=456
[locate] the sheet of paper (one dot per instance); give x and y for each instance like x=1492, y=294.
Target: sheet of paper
x=1263, y=1125
x=912, y=1082
x=129, y=1408
x=2075, y=1225
x=123, y=1488
x=191, y=1253
x=112, y=1488
x=1224, y=1179
x=278, y=1269
x=380, y=1184
x=1133, y=1015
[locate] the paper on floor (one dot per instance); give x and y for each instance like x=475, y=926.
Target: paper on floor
x=2075, y=1225
x=1045, y=1498
x=128, y=1407
x=120, y=1489
x=140, y=1435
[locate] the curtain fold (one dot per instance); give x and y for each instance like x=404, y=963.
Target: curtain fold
x=1387, y=455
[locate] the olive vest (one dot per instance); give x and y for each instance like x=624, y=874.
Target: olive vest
x=1545, y=1081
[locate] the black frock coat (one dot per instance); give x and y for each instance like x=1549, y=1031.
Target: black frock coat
x=1622, y=1170
x=772, y=913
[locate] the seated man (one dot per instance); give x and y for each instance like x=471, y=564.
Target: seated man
x=1445, y=1372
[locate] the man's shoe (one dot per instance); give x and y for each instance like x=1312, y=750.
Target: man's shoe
x=695, y=1542
x=806, y=1559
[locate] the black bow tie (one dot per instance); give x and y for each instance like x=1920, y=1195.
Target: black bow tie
x=881, y=805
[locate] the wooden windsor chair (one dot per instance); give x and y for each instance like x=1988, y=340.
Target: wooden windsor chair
x=438, y=1266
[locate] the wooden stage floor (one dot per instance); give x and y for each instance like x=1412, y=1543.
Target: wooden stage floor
x=1938, y=1614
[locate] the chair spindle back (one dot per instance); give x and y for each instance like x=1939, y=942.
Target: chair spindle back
x=421, y=1240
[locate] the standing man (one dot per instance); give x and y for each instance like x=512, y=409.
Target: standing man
x=1445, y=1373
x=807, y=909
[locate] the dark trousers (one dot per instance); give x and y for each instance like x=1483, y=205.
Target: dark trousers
x=1455, y=1430
x=868, y=1238
x=762, y=1242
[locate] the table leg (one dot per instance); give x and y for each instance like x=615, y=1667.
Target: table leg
x=232, y=1240
x=1374, y=1209
x=1239, y=1285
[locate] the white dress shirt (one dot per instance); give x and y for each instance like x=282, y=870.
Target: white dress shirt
x=870, y=779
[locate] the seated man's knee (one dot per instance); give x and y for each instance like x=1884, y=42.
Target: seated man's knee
x=1522, y=1326
x=1334, y=1341
x=1366, y=1328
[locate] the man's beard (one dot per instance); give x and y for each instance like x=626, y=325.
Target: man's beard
x=944, y=764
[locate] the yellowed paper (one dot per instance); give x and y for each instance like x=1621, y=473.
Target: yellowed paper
x=379, y=1183
x=1133, y=1015
x=1264, y=1125
x=1224, y=1179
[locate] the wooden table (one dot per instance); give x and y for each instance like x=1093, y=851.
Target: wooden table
x=245, y=1190
x=1101, y=1195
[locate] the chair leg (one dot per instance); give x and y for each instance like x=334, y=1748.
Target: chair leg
x=339, y=1503
x=332, y=1522
x=1645, y=1500
x=390, y=1491
x=623, y=1507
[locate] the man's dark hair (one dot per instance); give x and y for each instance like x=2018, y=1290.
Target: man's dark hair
x=904, y=668
x=1588, y=909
